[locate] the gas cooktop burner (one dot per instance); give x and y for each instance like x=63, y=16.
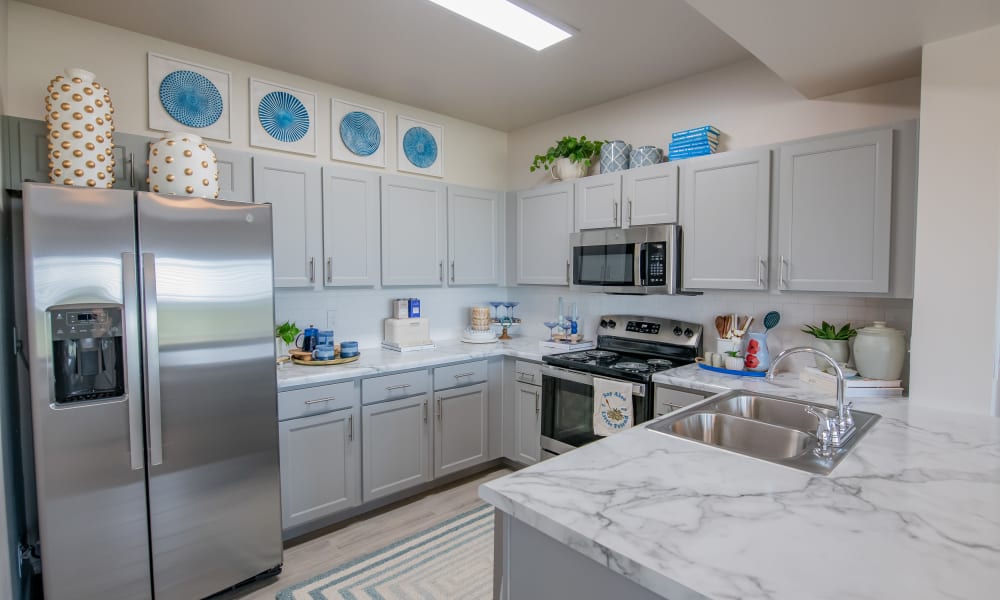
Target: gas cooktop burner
x=660, y=362
x=631, y=366
x=601, y=354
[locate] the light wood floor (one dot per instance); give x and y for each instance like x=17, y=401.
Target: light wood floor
x=350, y=539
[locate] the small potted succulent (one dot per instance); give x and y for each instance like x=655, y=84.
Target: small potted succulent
x=569, y=159
x=831, y=340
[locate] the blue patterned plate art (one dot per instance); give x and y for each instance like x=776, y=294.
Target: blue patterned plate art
x=360, y=133
x=420, y=147
x=283, y=117
x=190, y=98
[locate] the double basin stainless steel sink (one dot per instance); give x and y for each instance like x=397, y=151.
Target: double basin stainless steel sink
x=769, y=428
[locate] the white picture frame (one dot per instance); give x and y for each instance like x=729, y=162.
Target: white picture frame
x=158, y=68
x=286, y=101
x=403, y=161
x=338, y=147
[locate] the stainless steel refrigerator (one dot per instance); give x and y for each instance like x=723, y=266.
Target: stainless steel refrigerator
x=150, y=348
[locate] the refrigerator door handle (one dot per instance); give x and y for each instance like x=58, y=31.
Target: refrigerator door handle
x=152, y=348
x=130, y=297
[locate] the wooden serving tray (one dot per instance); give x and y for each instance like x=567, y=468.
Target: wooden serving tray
x=326, y=363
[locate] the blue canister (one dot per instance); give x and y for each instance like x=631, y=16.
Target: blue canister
x=644, y=156
x=414, y=308
x=615, y=156
x=309, y=337
x=348, y=349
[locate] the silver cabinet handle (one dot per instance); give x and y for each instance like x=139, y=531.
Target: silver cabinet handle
x=614, y=212
x=425, y=411
x=131, y=170
x=312, y=269
x=538, y=405
x=629, y=212
x=438, y=409
x=460, y=375
x=440, y=270
x=329, y=269
x=130, y=308
x=761, y=267
x=350, y=427
x=152, y=347
x=453, y=271
x=567, y=273
x=522, y=375
x=319, y=400
x=783, y=274
x=397, y=387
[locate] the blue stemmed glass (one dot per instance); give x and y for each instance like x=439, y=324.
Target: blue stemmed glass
x=511, y=306
x=496, y=306
x=551, y=325
x=508, y=306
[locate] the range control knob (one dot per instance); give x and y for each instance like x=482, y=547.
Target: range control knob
x=678, y=331
x=688, y=333
x=604, y=323
x=612, y=324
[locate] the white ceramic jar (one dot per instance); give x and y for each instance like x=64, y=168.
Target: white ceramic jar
x=181, y=163
x=78, y=114
x=879, y=352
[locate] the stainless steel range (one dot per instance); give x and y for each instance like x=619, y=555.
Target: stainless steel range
x=629, y=348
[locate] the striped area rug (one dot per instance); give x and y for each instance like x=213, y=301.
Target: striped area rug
x=451, y=560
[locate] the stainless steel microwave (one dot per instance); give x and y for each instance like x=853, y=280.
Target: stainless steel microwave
x=638, y=260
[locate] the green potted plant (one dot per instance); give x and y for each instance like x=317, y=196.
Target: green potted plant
x=285, y=335
x=831, y=340
x=569, y=159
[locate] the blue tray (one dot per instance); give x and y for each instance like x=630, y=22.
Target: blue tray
x=728, y=372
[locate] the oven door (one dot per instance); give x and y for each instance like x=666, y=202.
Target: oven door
x=568, y=408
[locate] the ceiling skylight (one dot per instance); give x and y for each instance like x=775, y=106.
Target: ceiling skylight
x=509, y=19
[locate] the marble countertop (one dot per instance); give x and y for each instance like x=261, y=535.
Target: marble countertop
x=913, y=512
x=379, y=360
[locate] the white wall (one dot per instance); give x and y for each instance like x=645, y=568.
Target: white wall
x=955, y=318
x=45, y=42
x=748, y=102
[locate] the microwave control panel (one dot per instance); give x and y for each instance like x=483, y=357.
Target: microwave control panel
x=656, y=264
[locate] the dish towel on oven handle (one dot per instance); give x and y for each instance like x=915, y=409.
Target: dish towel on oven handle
x=613, y=410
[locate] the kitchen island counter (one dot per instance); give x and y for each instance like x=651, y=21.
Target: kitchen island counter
x=913, y=512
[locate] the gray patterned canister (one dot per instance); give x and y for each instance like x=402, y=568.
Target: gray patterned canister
x=615, y=156
x=644, y=156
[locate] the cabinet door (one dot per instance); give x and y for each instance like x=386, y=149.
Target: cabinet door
x=235, y=174
x=413, y=231
x=26, y=152
x=131, y=153
x=725, y=218
x=350, y=227
x=650, y=195
x=320, y=466
x=396, y=446
x=292, y=188
x=598, y=201
x=461, y=430
x=527, y=423
x=473, y=236
x=544, y=222
x=834, y=213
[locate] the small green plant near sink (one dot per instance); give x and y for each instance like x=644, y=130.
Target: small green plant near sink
x=579, y=151
x=287, y=332
x=827, y=331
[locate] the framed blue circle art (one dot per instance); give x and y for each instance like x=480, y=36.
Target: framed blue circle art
x=420, y=147
x=190, y=98
x=360, y=133
x=283, y=117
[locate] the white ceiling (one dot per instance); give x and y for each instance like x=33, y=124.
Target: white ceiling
x=823, y=47
x=414, y=52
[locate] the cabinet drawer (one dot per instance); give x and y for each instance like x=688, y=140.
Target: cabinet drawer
x=461, y=374
x=393, y=387
x=317, y=400
x=528, y=372
x=669, y=399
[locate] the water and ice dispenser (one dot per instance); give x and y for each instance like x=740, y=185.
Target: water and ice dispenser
x=87, y=352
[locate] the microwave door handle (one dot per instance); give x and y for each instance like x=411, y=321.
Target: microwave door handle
x=639, y=264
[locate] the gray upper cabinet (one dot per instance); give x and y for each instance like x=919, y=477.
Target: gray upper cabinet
x=414, y=231
x=461, y=434
x=320, y=465
x=350, y=227
x=650, y=195
x=235, y=174
x=474, y=229
x=834, y=213
x=725, y=216
x=544, y=223
x=598, y=201
x=131, y=153
x=292, y=187
x=26, y=152
x=396, y=442
x=527, y=423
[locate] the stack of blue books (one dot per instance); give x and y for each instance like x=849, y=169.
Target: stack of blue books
x=689, y=143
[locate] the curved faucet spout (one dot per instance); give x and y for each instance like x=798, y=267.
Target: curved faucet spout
x=845, y=423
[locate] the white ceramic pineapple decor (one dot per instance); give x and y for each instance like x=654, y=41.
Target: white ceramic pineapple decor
x=78, y=114
x=181, y=163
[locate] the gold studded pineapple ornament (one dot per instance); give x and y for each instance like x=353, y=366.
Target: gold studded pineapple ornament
x=181, y=163
x=78, y=114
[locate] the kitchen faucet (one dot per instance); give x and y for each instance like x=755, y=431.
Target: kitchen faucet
x=833, y=432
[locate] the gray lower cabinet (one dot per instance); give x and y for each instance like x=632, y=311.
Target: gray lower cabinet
x=320, y=465
x=527, y=423
x=461, y=431
x=396, y=445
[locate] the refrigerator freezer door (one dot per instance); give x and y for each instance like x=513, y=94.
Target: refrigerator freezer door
x=91, y=501
x=214, y=495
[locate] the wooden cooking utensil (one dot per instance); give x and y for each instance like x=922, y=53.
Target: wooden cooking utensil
x=720, y=325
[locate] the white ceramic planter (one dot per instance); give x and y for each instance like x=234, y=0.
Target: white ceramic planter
x=838, y=349
x=566, y=170
x=182, y=164
x=879, y=352
x=78, y=114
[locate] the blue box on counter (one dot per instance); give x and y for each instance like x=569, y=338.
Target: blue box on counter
x=414, y=308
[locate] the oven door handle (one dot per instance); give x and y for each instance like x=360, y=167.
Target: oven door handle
x=638, y=389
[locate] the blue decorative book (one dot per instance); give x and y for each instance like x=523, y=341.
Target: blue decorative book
x=696, y=137
x=686, y=145
x=673, y=151
x=688, y=154
x=689, y=132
